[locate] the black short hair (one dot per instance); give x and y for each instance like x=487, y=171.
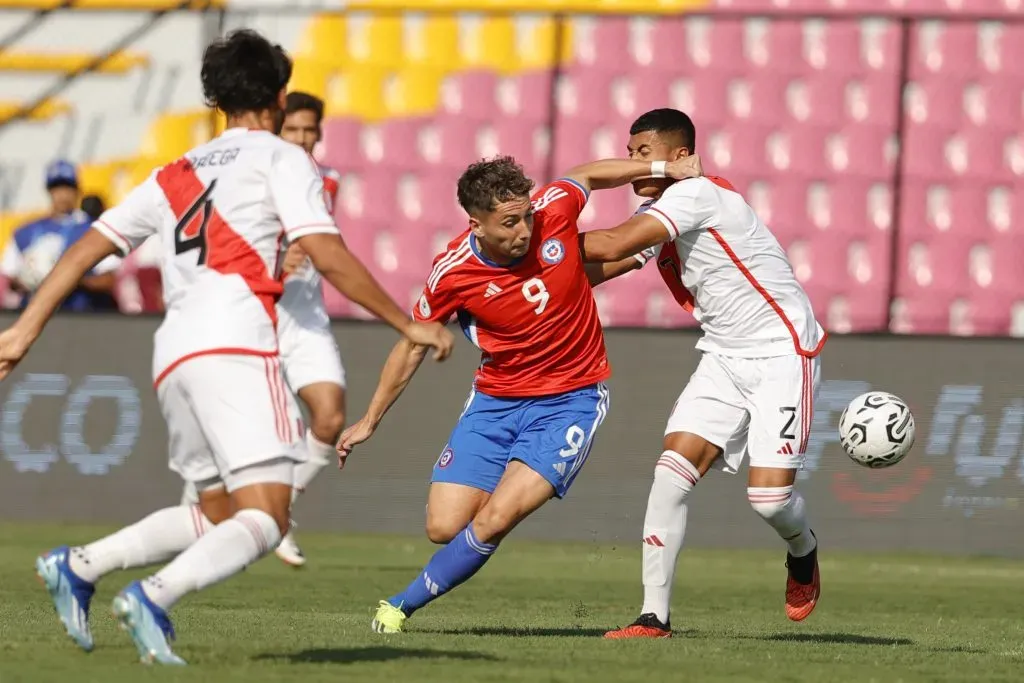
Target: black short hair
x=303, y=101
x=244, y=71
x=667, y=121
x=489, y=182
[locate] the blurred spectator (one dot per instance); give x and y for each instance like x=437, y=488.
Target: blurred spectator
x=34, y=248
x=93, y=205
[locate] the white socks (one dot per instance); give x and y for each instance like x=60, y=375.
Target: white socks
x=225, y=550
x=664, y=527
x=157, y=538
x=320, y=455
x=784, y=509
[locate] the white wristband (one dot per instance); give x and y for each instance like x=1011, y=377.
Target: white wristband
x=658, y=169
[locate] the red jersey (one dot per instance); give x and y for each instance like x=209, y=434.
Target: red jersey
x=535, y=320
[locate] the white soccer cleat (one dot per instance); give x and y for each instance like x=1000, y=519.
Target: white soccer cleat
x=289, y=551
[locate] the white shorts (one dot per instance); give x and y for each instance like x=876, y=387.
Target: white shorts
x=225, y=413
x=761, y=407
x=309, y=354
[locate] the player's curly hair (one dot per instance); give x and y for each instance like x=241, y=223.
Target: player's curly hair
x=244, y=71
x=489, y=182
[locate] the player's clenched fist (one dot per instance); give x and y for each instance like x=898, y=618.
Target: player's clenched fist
x=433, y=335
x=686, y=167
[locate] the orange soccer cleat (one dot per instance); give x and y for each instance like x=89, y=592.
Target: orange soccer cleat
x=646, y=626
x=803, y=585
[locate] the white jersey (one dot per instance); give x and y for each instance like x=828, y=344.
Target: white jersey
x=745, y=295
x=303, y=299
x=222, y=212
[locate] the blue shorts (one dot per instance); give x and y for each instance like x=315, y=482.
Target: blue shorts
x=552, y=435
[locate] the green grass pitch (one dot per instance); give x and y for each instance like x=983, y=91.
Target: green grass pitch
x=536, y=613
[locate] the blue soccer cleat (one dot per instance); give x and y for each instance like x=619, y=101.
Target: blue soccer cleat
x=70, y=593
x=147, y=624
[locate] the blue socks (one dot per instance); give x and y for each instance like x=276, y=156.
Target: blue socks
x=450, y=566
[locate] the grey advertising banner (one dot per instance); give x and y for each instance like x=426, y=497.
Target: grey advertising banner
x=83, y=439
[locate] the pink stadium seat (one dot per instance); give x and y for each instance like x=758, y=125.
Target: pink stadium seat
x=571, y=145
x=785, y=208
x=862, y=151
x=938, y=208
x=667, y=46
x=606, y=209
x=880, y=44
x=995, y=103
x=526, y=96
x=716, y=44
x=797, y=150
x=872, y=99
x=739, y=150
x=633, y=94
x=702, y=95
x=934, y=266
x=859, y=310
x=816, y=101
x=1001, y=50
x=583, y=96
x=761, y=99
x=391, y=144
x=833, y=47
x=623, y=302
x=447, y=142
x=947, y=49
x=430, y=197
x=994, y=267
x=601, y=43
x=470, y=95
x=775, y=46
x=528, y=142
x=921, y=314
x=367, y=196
x=340, y=148
x=934, y=101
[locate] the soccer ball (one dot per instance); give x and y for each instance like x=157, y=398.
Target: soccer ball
x=877, y=429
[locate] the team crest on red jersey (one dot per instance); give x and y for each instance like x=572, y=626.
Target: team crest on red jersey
x=424, y=306
x=552, y=251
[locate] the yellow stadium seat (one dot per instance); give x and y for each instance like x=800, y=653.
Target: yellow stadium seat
x=171, y=135
x=374, y=40
x=356, y=92
x=98, y=179
x=311, y=76
x=412, y=92
x=536, y=41
x=65, y=62
x=487, y=42
x=323, y=40
x=47, y=110
x=431, y=41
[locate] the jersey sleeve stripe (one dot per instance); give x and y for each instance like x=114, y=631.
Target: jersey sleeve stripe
x=673, y=230
x=583, y=190
x=114, y=236
x=451, y=259
x=300, y=231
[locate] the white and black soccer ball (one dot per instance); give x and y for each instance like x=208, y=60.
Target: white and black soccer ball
x=877, y=429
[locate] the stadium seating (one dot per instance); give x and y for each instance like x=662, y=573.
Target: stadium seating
x=800, y=113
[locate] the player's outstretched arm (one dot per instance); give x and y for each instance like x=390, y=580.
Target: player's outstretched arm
x=341, y=268
x=623, y=241
x=398, y=370
x=78, y=260
x=603, y=272
x=609, y=173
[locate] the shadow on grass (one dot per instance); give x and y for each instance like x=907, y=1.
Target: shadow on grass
x=833, y=639
x=352, y=655
x=518, y=632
